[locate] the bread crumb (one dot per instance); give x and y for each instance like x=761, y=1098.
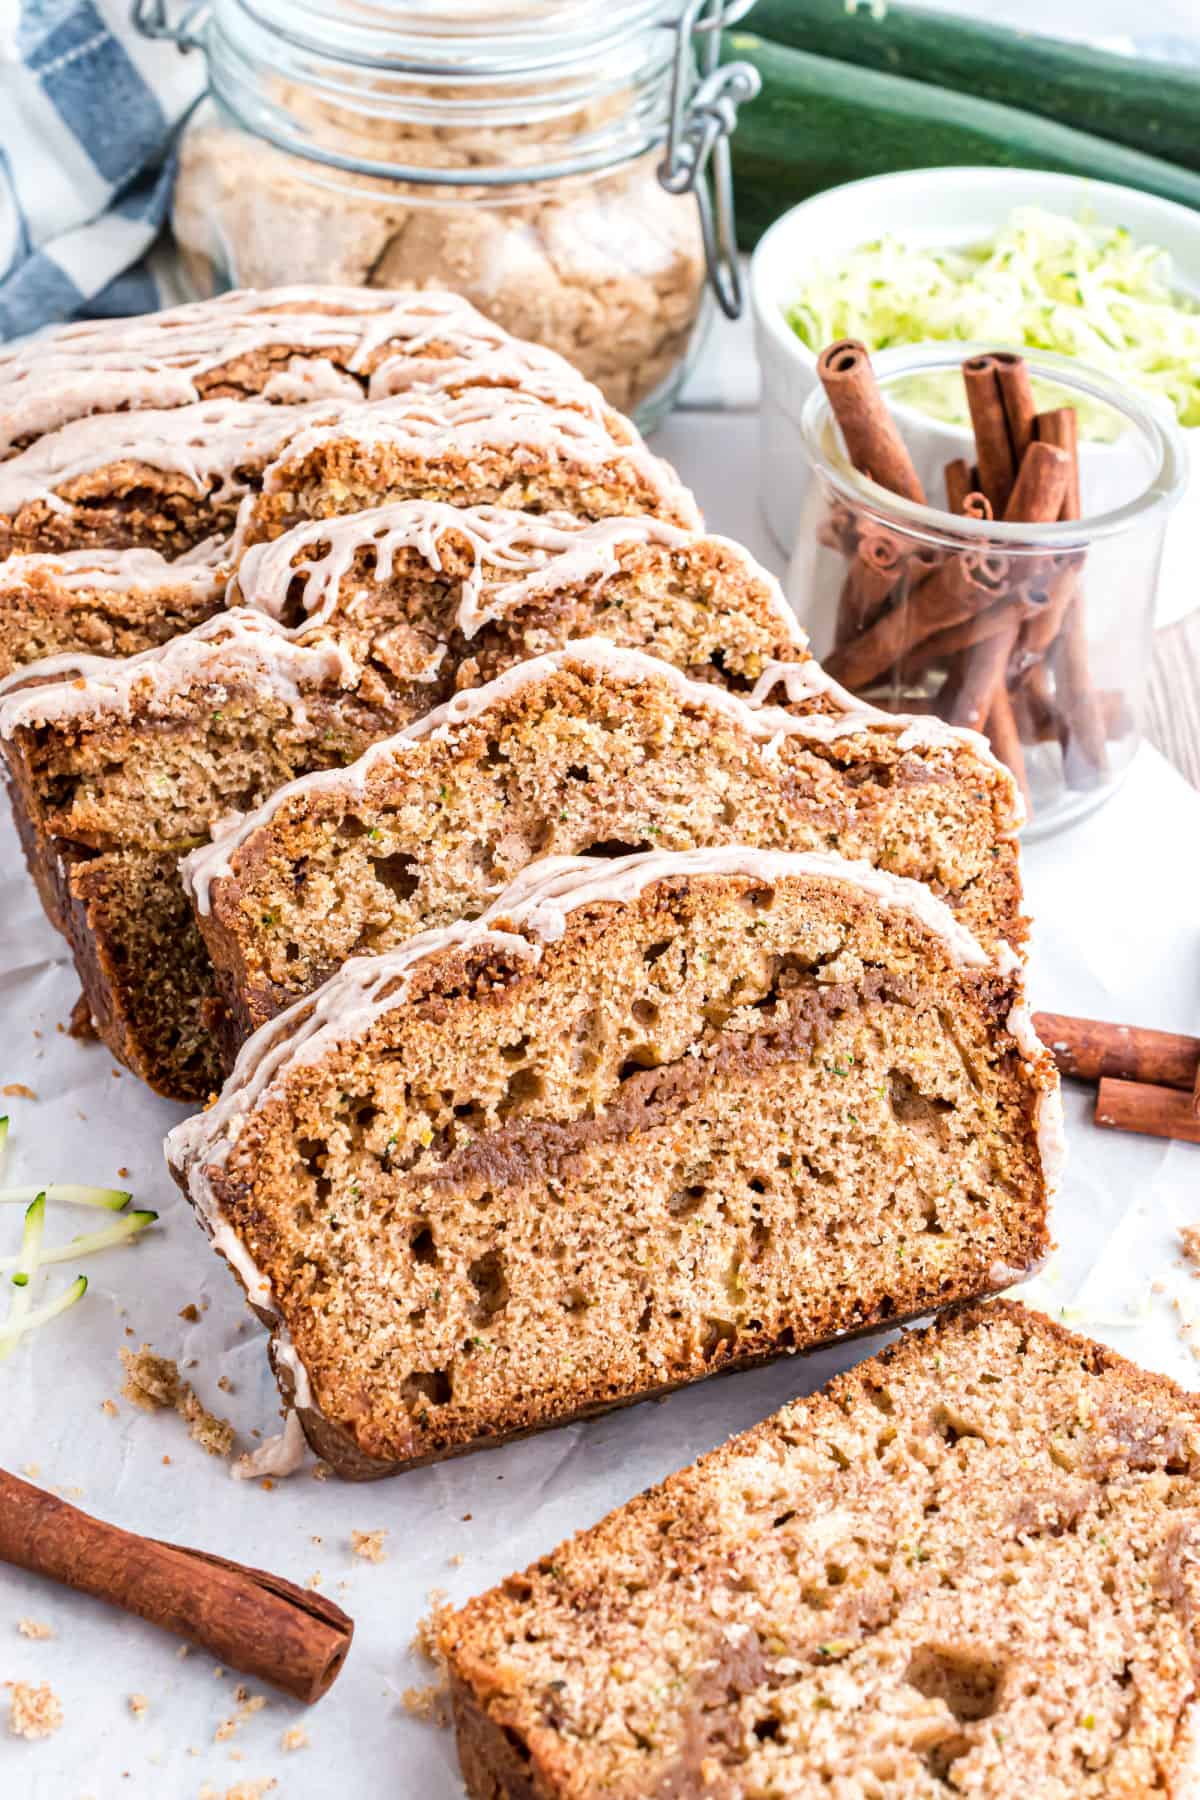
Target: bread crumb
x=369, y=1545
x=122, y=1174
x=1189, y=1237
x=322, y=1471
x=109, y=1407
x=183, y=1650
x=226, y=1386
x=429, y=1627
x=241, y=1790
x=153, y=1382
x=314, y=1580
x=248, y=1705
x=190, y=1312
x=295, y=1739
x=34, y=1628
x=17, y=1090
x=33, y=1470
x=456, y=1560
x=431, y=1703
x=139, y=1705
x=33, y=1712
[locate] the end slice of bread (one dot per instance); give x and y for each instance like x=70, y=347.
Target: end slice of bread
x=969, y=1566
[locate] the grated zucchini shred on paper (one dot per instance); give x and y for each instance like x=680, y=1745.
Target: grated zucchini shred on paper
x=1046, y=281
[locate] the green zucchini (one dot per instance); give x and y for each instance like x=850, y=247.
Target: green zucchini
x=818, y=123
x=1147, y=105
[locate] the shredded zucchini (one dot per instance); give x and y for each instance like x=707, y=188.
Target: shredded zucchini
x=1045, y=281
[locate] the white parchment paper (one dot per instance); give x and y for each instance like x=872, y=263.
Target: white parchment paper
x=1118, y=935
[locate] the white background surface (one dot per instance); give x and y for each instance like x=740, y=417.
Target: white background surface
x=1118, y=936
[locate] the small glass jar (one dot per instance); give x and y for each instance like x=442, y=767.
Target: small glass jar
x=1039, y=635
x=539, y=156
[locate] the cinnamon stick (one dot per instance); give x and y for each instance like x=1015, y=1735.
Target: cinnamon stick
x=1060, y=427
x=873, y=444
x=1091, y=1049
x=1037, y=494
x=1005, y=739
x=1154, y=1111
x=958, y=483
x=1016, y=399
x=993, y=449
x=251, y=1621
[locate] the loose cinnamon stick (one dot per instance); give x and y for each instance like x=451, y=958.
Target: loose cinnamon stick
x=993, y=448
x=873, y=444
x=1154, y=1111
x=251, y=1621
x=1091, y=1049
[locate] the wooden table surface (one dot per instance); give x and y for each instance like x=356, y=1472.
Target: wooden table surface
x=1172, y=714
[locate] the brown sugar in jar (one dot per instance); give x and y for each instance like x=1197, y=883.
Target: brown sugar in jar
x=514, y=154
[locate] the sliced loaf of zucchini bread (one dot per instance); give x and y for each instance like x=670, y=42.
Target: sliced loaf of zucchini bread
x=644, y=1120
x=969, y=1566
x=119, y=768
x=587, y=750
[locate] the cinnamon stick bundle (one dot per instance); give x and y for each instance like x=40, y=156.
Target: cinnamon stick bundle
x=252, y=1621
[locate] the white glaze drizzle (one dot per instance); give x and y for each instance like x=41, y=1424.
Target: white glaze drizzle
x=127, y=571
x=206, y=443
x=517, y=557
x=808, y=680
x=239, y=646
x=158, y=360
x=527, y=367
x=277, y=1457
x=429, y=425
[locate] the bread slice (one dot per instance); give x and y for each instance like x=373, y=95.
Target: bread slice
x=282, y=344
x=165, y=478
x=156, y=479
x=449, y=597
x=644, y=1120
x=118, y=771
x=104, y=602
x=969, y=1566
x=586, y=748
x=484, y=446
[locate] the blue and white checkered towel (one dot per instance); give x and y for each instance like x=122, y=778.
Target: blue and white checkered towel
x=89, y=115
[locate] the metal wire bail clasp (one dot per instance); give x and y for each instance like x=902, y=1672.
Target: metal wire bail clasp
x=153, y=20
x=700, y=129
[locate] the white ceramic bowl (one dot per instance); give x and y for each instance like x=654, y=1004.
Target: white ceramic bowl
x=938, y=207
